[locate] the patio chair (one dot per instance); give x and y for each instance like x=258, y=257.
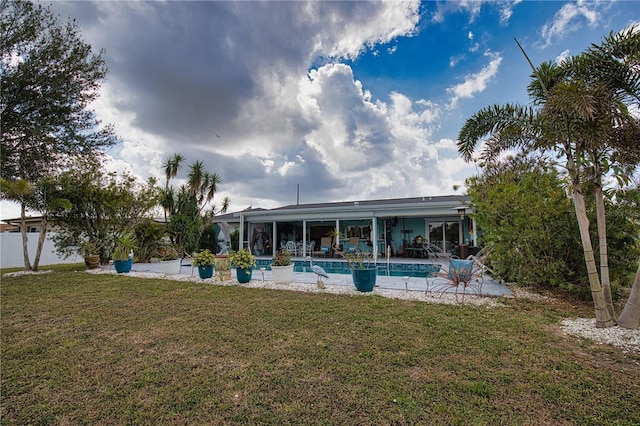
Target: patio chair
x=292, y=248
x=310, y=247
x=431, y=249
x=458, y=274
x=481, y=262
x=354, y=243
x=325, y=246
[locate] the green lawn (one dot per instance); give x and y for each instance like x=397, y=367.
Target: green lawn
x=80, y=348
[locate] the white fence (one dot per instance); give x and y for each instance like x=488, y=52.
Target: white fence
x=11, y=250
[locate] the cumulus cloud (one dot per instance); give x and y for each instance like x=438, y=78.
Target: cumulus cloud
x=477, y=82
x=241, y=98
x=569, y=19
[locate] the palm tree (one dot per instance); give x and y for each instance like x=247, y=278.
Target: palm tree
x=196, y=178
x=578, y=107
x=202, y=185
x=38, y=197
x=172, y=166
x=19, y=191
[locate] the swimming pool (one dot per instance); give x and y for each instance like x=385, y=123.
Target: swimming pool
x=420, y=270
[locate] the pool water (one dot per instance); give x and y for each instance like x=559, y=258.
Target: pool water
x=419, y=270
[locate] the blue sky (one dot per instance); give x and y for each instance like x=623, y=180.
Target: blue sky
x=350, y=100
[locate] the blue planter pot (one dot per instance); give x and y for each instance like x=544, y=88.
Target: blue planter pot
x=364, y=279
x=123, y=266
x=243, y=275
x=205, y=271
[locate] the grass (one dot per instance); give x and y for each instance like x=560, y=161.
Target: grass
x=80, y=348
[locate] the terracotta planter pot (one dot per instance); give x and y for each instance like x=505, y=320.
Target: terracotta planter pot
x=92, y=262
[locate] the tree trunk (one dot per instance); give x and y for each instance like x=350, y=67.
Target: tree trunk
x=41, y=237
x=604, y=254
x=630, y=316
x=25, y=238
x=603, y=319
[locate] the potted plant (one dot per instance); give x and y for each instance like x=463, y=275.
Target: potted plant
x=123, y=253
x=90, y=251
x=336, y=235
x=363, y=273
x=282, y=267
x=170, y=261
x=244, y=262
x=204, y=260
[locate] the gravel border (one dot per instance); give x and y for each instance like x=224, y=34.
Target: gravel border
x=313, y=288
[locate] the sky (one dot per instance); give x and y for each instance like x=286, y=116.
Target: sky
x=319, y=101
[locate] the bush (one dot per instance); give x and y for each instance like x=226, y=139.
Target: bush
x=530, y=222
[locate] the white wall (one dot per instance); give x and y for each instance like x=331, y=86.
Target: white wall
x=11, y=250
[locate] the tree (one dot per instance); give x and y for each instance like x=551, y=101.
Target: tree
x=38, y=196
x=104, y=206
x=185, y=208
x=49, y=77
x=578, y=110
x=171, y=167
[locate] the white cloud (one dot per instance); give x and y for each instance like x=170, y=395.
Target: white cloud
x=475, y=83
x=562, y=56
x=473, y=8
x=375, y=148
x=348, y=35
x=567, y=20
x=455, y=60
x=507, y=10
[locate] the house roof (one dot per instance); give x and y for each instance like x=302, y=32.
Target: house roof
x=414, y=206
x=381, y=202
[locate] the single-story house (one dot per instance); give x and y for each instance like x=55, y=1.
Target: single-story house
x=384, y=227
x=33, y=224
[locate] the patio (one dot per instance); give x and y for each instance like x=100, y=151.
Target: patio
x=490, y=287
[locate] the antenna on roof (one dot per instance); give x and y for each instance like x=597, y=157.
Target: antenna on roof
x=297, y=194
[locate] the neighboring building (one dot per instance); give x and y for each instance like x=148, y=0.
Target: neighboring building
x=395, y=223
x=6, y=227
x=34, y=223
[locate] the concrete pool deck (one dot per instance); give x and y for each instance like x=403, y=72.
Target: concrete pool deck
x=490, y=287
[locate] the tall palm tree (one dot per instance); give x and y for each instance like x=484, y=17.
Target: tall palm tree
x=210, y=186
x=202, y=185
x=172, y=166
x=196, y=179
x=577, y=107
